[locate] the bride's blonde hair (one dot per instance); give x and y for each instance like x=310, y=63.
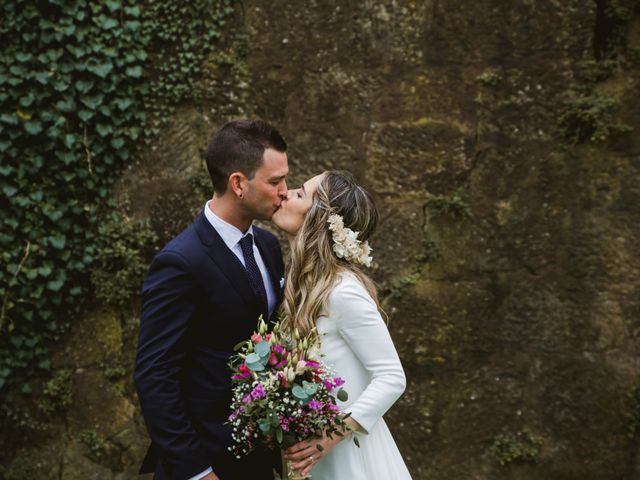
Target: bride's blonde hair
x=314, y=267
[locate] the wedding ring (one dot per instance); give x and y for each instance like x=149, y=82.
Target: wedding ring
x=311, y=458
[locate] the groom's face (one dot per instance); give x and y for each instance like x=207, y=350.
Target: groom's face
x=268, y=186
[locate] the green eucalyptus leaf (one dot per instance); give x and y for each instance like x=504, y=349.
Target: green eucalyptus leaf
x=263, y=349
x=299, y=393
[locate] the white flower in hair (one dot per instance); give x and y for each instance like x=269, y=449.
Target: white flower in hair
x=346, y=244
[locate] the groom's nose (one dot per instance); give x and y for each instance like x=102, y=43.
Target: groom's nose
x=284, y=193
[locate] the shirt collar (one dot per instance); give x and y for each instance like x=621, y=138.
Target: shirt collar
x=230, y=234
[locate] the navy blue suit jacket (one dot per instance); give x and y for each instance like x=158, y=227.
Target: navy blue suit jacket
x=197, y=304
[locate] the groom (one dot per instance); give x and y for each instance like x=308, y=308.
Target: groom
x=203, y=294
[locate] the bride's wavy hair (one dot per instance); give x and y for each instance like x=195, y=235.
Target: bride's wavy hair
x=314, y=267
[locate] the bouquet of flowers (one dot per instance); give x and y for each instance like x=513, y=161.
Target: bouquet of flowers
x=282, y=392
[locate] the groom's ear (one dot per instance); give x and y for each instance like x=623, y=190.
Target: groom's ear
x=237, y=184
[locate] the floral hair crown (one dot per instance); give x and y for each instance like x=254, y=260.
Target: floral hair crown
x=346, y=244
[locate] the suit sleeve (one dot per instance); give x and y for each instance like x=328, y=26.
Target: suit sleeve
x=168, y=304
x=363, y=329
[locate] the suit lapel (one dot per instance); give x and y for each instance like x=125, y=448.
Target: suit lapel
x=226, y=260
x=270, y=261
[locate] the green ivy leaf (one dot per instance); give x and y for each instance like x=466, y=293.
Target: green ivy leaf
x=23, y=57
x=123, y=103
x=58, y=242
x=93, y=101
x=108, y=23
x=112, y=5
x=33, y=127
x=104, y=130
x=85, y=115
x=42, y=77
x=83, y=86
x=135, y=72
x=66, y=105
x=9, y=191
x=117, y=143
x=55, y=285
x=100, y=69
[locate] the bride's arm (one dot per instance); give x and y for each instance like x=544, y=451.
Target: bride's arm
x=363, y=329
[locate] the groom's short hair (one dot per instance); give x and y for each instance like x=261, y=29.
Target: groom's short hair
x=239, y=147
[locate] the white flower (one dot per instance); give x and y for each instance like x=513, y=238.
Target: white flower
x=346, y=244
x=301, y=367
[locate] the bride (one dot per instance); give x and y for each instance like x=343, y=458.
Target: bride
x=328, y=221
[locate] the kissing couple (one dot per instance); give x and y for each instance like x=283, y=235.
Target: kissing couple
x=206, y=289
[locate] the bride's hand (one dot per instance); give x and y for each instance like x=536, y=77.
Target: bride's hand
x=304, y=455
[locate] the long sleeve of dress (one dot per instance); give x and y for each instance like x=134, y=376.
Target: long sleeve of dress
x=365, y=332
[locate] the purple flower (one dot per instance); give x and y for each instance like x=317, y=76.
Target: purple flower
x=247, y=399
x=315, y=405
x=236, y=413
x=258, y=392
x=312, y=364
x=284, y=423
x=338, y=381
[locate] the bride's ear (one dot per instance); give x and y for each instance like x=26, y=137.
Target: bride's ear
x=238, y=184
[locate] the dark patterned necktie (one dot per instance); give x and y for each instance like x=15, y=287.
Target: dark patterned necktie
x=255, y=277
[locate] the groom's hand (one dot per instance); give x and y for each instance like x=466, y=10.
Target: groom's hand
x=211, y=476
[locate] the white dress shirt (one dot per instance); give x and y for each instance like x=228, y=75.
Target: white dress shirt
x=231, y=236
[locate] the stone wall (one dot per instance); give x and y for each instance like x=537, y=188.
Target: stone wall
x=508, y=257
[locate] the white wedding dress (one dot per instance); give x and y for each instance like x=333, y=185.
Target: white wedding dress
x=356, y=344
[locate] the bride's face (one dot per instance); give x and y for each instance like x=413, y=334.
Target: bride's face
x=290, y=216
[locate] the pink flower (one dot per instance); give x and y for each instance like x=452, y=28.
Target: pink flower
x=338, y=381
x=256, y=338
x=284, y=423
x=283, y=380
x=244, y=372
x=273, y=359
x=315, y=405
x=247, y=399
